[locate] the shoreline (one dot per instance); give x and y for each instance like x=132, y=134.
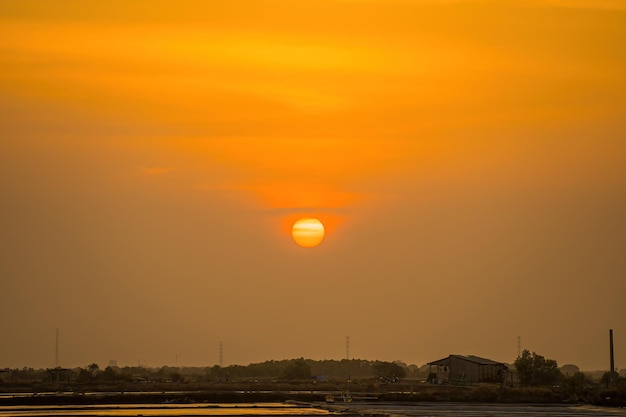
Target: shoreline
x=428, y=395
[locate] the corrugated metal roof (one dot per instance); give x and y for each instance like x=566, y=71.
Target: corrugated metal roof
x=469, y=358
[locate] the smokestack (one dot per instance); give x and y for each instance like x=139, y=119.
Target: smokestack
x=612, y=377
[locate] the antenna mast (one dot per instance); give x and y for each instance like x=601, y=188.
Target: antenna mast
x=56, y=350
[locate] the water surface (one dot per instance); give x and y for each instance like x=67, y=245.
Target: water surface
x=264, y=409
x=317, y=410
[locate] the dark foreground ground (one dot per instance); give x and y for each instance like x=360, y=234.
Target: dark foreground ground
x=233, y=393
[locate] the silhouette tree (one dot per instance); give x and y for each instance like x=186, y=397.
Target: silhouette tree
x=608, y=379
x=89, y=374
x=297, y=369
x=534, y=370
x=388, y=370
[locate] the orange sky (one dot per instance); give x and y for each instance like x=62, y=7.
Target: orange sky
x=466, y=158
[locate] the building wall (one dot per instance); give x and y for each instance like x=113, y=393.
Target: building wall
x=473, y=372
x=456, y=370
x=464, y=370
x=490, y=373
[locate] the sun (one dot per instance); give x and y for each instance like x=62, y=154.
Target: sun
x=308, y=232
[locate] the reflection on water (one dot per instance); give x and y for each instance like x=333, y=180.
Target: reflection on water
x=263, y=409
x=484, y=409
x=347, y=410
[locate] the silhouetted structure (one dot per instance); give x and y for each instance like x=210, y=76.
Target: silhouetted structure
x=462, y=369
x=56, y=350
x=612, y=374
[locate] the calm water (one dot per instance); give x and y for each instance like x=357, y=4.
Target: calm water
x=262, y=409
x=479, y=410
x=347, y=409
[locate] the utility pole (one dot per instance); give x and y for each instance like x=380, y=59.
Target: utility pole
x=221, y=354
x=347, y=347
x=519, y=346
x=56, y=350
x=612, y=377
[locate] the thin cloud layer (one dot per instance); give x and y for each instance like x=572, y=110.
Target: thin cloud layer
x=464, y=157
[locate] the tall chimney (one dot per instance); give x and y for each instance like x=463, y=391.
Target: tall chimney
x=612, y=377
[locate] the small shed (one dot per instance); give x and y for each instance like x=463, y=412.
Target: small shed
x=466, y=369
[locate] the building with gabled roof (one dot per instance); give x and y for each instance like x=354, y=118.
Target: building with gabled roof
x=466, y=369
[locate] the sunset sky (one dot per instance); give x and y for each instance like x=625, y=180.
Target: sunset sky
x=467, y=159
